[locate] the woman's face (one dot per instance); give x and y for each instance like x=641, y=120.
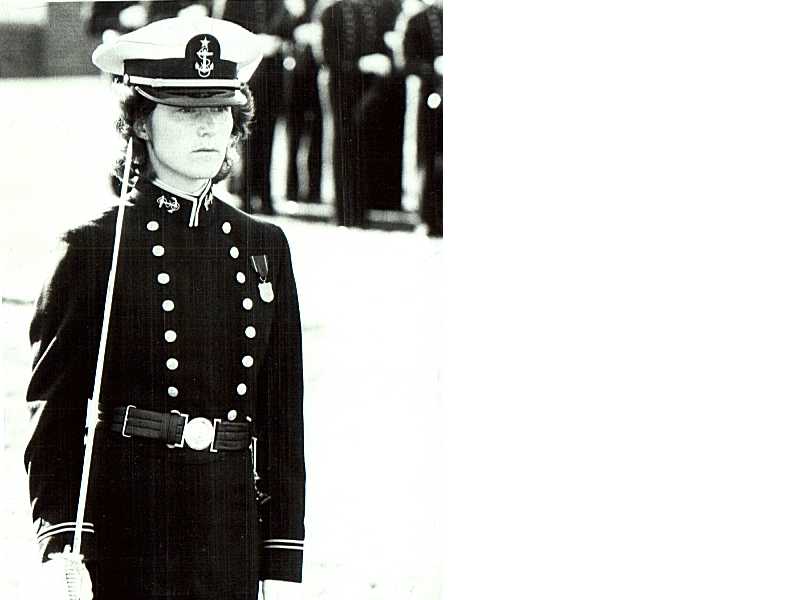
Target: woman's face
x=186, y=145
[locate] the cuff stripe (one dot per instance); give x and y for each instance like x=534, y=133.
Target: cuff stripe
x=281, y=541
x=282, y=547
x=62, y=528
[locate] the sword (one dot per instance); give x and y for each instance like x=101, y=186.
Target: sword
x=74, y=557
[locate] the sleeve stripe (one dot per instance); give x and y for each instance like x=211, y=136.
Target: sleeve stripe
x=280, y=546
x=280, y=541
x=64, y=524
x=43, y=536
x=62, y=528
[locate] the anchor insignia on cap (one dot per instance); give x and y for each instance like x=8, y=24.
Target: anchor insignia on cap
x=171, y=204
x=205, y=66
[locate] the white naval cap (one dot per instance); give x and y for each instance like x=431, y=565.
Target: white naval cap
x=184, y=61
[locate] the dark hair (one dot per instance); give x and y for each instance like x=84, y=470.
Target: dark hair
x=134, y=107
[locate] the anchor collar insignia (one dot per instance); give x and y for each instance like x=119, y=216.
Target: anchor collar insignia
x=171, y=200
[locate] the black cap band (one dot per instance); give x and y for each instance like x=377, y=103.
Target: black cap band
x=201, y=62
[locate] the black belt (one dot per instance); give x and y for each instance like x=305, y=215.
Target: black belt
x=177, y=429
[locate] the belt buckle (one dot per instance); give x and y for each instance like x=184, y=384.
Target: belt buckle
x=199, y=433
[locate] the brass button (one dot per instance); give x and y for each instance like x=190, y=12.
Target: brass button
x=240, y=277
x=170, y=335
x=250, y=332
x=247, y=303
x=234, y=252
x=163, y=278
x=168, y=305
x=231, y=415
x=172, y=364
x=247, y=361
x=241, y=389
x=172, y=391
x=158, y=250
x=152, y=226
x=226, y=227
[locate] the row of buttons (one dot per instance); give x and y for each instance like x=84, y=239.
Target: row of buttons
x=168, y=306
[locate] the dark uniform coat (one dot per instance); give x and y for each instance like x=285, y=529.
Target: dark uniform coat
x=189, y=331
x=367, y=109
x=303, y=117
x=422, y=43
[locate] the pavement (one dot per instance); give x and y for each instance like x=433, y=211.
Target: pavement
x=372, y=311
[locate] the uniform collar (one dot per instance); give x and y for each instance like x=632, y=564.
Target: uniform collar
x=171, y=203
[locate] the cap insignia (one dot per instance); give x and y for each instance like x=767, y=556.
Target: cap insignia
x=205, y=66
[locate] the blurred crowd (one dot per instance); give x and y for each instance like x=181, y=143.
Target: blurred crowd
x=343, y=59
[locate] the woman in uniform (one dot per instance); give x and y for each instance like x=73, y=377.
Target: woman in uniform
x=197, y=482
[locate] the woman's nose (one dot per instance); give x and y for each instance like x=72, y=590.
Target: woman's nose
x=205, y=122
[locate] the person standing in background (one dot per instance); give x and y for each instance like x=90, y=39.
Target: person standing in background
x=422, y=50
x=382, y=109
x=273, y=22
x=303, y=109
x=368, y=101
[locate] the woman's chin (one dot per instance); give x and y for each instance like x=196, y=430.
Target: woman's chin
x=204, y=168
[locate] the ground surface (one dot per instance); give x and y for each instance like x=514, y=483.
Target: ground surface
x=372, y=317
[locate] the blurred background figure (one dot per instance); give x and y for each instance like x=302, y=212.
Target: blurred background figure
x=303, y=110
x=367, y=96
x=111, y=19
x=165, y=9
x=422, y=54
x=274, y=21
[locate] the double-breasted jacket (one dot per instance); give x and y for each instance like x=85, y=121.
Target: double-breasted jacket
x=204, y=323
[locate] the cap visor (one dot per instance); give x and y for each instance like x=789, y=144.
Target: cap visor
x=193, y=98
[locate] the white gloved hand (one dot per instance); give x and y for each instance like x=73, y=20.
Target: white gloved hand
x=438, y=65
x=308, y=33
x=295, y=7
x=270, y=44
x=379, y=64
x=193, y=10
x=65, y=577
x=109, y=35
x=133, y=17
x=279, y=590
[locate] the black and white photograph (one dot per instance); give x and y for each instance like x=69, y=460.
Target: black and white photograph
x=222, y=300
